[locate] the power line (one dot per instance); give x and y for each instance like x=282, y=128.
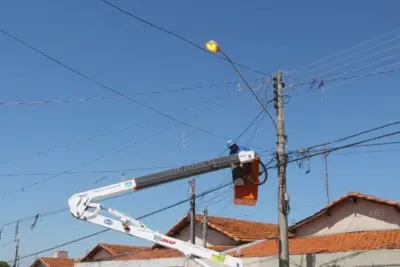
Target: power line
x=364, y=67
x=323, y=80
x=369, y=151
x=344, y=51
x=256, y=128
x=139, y=218
x=344, y=146
x=357, y=69
x=39, y=102
x=31, y=217
x=368, y=145
x=111, y=133
x=350, y=136
x=183, y=89
x=359, y=52
x=85, y=172
x=176, y=35
x=358, y=60
x=244, y=132
x=248, y=86
x=60, y=210
x=378, y=73
x=210, y=191
x=89, y=162
x=371, y=73
x=106, y=86
x=380, y=144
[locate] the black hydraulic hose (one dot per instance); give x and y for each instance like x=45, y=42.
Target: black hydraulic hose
x=265, y=175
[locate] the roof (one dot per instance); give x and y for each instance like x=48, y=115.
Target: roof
x=354, y=241
x=237, y=230
x=341, y=200
x=159, y=254
x=149, y=254
x=343, y=242
x=55, y=262
x=113, y=250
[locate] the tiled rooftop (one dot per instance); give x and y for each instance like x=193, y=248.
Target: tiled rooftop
x=355, y=241
x=113, y=250
x=240, y=230
x=54, y=262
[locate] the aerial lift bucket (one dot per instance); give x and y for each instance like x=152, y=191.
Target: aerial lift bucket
x=246, y=194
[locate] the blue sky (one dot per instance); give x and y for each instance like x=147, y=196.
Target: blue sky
x=133, y=58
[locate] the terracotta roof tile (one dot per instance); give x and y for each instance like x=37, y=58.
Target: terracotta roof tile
x=55, y=262
x=354, y=241
x=237, y=230
x=113, y=250
x=149, y=254
x=241, y=230
x=348, y=196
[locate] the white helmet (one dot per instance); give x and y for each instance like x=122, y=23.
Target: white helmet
x=230, y=143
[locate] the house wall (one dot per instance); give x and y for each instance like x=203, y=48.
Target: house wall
x=101, y=254
x=350, y=217
x=376, y=258
x=213, y=237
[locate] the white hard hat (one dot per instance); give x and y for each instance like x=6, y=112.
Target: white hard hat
x=230, y=143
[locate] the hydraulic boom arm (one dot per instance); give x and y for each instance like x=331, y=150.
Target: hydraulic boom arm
x=83, y=207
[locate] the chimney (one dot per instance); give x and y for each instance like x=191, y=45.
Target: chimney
x=61, y=255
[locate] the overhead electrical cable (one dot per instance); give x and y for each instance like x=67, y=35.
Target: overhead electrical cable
x=344, y=51
x=91, y=161
x=111, y=133
x=117, y=92
x=175, y=35
x=210, y=191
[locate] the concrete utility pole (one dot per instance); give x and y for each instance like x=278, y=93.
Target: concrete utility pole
x=205, y=226
x=193, y=210
x=281, y=157
x=16, y=240
x=326, y=177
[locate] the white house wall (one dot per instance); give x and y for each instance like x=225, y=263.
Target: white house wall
x=101, y=254
x=376, y=258
x=213, y=237
x=350, y=217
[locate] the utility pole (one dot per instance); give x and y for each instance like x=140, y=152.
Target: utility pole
x=193, y=210
x=16, y=241
x=205, y=226
x=326, y=177
x=281, y=157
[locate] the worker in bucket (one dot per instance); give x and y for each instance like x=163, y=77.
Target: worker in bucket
x=234, y=148
x=238, y=170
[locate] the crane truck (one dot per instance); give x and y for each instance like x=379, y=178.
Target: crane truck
x=85, y=206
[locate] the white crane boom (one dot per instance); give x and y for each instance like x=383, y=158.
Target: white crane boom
x=83, y=207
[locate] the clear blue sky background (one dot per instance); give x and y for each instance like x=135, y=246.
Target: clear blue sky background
x=134, y=58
